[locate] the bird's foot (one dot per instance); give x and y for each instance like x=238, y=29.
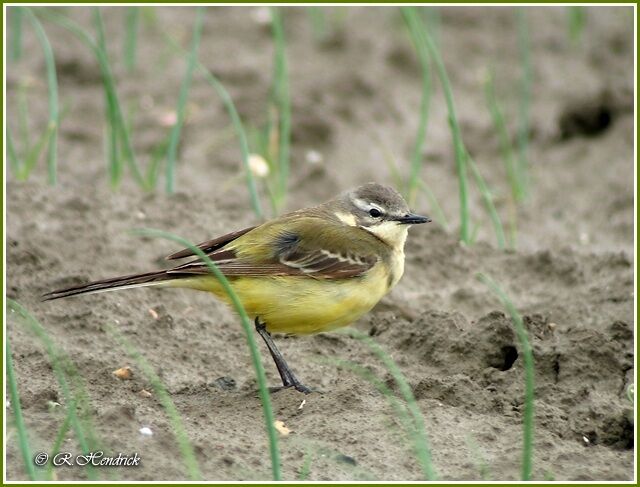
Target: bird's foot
x=302, y=388
x=286, y=374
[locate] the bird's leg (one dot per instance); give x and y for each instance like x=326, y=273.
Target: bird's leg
x=286, y=374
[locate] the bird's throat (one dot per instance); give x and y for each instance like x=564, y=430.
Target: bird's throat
x=391, y=233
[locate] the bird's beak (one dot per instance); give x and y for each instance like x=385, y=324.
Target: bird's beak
x=412, y=219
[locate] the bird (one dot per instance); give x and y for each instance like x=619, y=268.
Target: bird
x=309, y=271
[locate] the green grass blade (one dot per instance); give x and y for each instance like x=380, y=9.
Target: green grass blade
x=242, y=138
x=433, y=19
x=23, y=115
x=114, y=129
x=238, y=127
x=322, y=450
x=305, y=470
x=57, y=443
x=14, y=162
x=416, y=30
x=72, y=27
x=69, y=25
x=458, y=144
x=253, y=347
x=58, y=364
x=508, y=156
x=423, y=452
x=413, y=431
x=52, y=87
x=111, y=154
x=283, y=104
x=23, y=441
x=392, y=164
x=318, y=23
x=433, y=204
x=524, y=104
x=132, y=17
x=576, y=20
x=16, y=32
x=525, y=346
x=474, y=232
x=107, y=79
x=479, y=459
x=32, y=157
x=487, y=199
x=406, y=421
x=116, y=117
x=111, y=117
x=184, y=445
x=172, y=151
x=158, y=156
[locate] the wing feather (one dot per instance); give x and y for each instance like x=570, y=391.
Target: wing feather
x=286, y=248
x=327, y=264
x=210, y=245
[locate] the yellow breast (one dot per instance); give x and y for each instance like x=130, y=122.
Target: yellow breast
x=300, y=304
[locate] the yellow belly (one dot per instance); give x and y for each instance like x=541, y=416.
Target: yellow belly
x=298, y=304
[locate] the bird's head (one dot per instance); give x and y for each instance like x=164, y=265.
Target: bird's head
x=378, y=209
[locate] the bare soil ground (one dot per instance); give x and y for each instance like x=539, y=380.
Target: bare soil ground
x=355, y=100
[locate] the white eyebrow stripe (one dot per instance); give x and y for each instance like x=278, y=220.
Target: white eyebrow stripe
x=365, y=205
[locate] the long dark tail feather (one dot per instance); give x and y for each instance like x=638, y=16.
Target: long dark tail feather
x=122, y=282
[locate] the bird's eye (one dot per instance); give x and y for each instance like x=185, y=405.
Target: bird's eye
x=375, y=213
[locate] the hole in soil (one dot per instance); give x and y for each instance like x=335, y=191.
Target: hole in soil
x=618, y=432
x=626, y=438
x=509, y=356
x=588, y=120
x=590, y=438
x=556, y=368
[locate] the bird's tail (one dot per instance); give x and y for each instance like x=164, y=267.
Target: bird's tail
x=123, y=282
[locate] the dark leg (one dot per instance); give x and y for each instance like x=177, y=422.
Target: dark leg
x=286, y=374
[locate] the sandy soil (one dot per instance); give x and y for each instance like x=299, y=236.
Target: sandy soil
x=355, y=99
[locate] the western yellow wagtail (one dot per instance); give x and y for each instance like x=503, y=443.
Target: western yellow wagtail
x=309, y=271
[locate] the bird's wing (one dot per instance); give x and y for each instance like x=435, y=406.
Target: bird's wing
x=293, y=247
x=210, y=245
x=321, y=262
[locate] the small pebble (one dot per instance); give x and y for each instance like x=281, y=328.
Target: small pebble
x=168, y=119
x=261, y=15
x=584, y=238
x=346, y=459
x=53, y=404
x=282, y=429
x=313, y=157
x=224, y=383
x=124, y=373
x=259, y=167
